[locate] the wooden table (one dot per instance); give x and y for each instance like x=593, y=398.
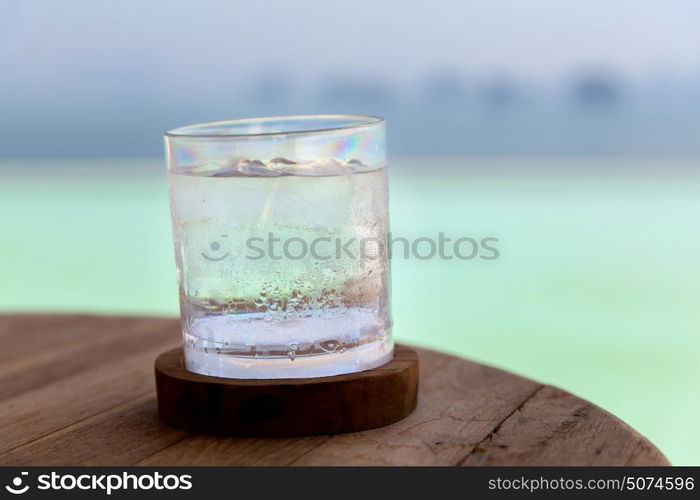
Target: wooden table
x=79, y=390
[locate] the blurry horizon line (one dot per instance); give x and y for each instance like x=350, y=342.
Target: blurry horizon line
x=443, y=114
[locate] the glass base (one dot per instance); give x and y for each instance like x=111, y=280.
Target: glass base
x=219, y=364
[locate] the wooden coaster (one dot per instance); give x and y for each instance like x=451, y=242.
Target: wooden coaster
x=286, y=407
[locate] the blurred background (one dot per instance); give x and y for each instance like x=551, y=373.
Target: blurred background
x=568, y=130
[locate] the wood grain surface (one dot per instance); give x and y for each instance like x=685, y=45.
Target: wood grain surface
x=79, y=390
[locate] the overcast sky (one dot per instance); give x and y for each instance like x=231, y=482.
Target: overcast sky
x=193, y=41
x=107, y=77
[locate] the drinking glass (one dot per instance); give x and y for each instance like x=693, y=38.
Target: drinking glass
x=280, y=229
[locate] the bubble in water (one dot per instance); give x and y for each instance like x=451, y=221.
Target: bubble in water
x=292, y=352
x=329, y=345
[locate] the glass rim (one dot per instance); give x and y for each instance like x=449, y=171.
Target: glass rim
x=356, y=121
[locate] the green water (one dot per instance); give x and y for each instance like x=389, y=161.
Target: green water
x=596, y=289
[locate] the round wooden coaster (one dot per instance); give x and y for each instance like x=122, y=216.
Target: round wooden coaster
x=286, y=407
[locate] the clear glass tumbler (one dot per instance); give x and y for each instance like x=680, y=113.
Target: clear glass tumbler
x=280, y=229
